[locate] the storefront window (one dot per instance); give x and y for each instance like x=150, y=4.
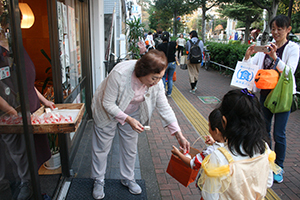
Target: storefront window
x=69, y=42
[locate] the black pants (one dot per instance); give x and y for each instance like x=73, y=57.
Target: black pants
x=180, y=49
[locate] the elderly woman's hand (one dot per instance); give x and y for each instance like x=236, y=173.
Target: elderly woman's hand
x=135, y=124
x=142, y=47
x=185, y=145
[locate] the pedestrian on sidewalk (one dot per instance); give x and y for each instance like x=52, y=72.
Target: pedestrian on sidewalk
x=194, y=66
x=169, y=48
x=124, y=102
x=283, y=54
x=243, y=168
x=181, y=44
x=157, y=38
x=150, y=40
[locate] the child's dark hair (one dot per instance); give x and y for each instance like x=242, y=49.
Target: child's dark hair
x=245, y=125
x=216, y=120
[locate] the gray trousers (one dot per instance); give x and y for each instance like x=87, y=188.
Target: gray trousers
x=17, y=150
x=101, y=145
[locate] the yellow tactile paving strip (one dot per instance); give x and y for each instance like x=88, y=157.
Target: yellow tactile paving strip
x=191, y=113
x=201, y=125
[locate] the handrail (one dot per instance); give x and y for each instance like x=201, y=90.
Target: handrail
x=222, y=65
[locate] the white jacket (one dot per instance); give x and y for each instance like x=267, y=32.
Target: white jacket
x=115, y=93
x=290, y=58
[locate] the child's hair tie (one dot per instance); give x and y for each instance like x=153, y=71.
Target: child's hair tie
x=247, y=92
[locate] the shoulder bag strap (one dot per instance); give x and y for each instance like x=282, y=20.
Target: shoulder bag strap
x=168, y=50
x=226, y=154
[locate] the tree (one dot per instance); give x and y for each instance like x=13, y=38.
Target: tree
x=221, y=21
x=203, y=4
x=158, y=19
x=285, y=9
x=247, y=13
x=271, y=6
x=171, y=9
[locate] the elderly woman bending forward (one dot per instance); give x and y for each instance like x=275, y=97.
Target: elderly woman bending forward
x=125, y=101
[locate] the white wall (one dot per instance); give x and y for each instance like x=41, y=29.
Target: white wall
x=97, y=42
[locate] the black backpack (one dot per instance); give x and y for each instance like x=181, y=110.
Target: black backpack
x=195, y=52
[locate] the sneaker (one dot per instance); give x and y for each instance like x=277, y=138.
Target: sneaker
x=193, y=91
x=25, y=191
x=278, y=178
x=134, y=188
x=98, y=191
x=168, y=95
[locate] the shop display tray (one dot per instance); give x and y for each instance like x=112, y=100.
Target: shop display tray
x=77, y=115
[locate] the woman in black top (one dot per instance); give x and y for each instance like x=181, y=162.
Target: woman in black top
x=169, y=48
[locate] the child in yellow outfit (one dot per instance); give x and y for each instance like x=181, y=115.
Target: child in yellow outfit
x=243, y=168
x=216, y=140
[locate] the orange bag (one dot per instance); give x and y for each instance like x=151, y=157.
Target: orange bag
x=180, y=171
x=266, y=78
x=174, y=77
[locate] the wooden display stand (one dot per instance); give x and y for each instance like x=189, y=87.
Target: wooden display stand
x=49, y=128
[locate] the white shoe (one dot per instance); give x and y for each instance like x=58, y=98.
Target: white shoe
x=134, y=188
x=98, y=191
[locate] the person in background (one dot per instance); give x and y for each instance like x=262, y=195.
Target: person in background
x=15, y=143
x=283, y=54
x=157, y=38
x=169, y=48
x=243, y=168
x=193, y=69
x=124, y=102
x=150, y=40
x=181, y=44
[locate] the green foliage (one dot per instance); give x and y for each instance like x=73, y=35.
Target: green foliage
x=52, y=143
x=173, y=38
x=283, y=9
x=221, y=21
x=168, y=9
x=134, y=31
x=227, y=54
x=234, y=42
x=158, y=20
x=243, y=12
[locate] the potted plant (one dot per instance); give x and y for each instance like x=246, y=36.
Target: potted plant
x=134, y=33
x=54, y=161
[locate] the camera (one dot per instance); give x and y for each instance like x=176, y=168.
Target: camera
x=261, y=48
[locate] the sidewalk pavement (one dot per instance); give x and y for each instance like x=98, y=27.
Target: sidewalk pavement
x=154, y=146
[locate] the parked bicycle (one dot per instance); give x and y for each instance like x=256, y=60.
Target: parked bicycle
x=206, y=57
